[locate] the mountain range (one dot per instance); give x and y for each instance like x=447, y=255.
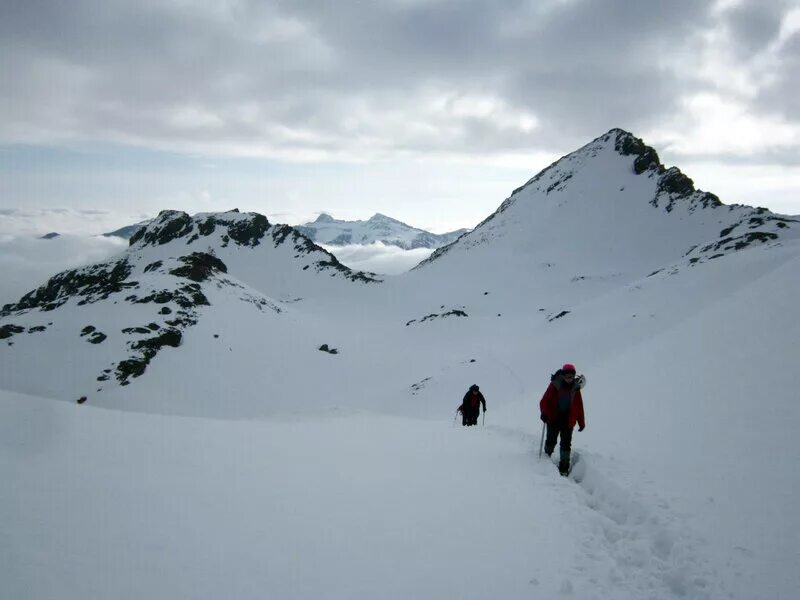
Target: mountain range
x=333, y=232
x=378, y=228
x=680, y=310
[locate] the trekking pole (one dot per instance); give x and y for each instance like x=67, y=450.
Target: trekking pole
x=541, y=441
x=483, y=419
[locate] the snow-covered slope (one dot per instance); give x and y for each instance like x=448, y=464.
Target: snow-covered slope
x=108, y=322
x=378, y=228
x=609, y=210
x=680, y=310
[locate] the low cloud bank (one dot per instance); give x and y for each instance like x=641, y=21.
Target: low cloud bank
x=34, y=222
x=26, y=262
x=379, y=258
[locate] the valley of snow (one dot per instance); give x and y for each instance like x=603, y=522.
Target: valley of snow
x=245, y=462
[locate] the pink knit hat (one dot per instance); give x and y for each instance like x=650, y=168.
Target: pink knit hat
x=568, y=367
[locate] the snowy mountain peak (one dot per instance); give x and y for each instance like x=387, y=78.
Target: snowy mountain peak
x=603, y=195
x=378, y=228
x=379, y=218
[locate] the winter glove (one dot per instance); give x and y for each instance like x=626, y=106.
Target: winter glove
x=581, y=428
x=543, y=418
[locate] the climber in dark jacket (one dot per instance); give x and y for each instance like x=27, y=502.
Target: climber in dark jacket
x=561, y=408
x=471, y=406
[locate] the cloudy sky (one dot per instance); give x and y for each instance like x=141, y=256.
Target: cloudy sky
x=430, y=111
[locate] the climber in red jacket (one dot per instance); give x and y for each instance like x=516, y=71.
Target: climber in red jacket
x=561, y=408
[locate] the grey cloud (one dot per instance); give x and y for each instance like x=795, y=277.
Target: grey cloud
x=27, y=262
x=754, y=24
x=781, y=96
x=319, y=76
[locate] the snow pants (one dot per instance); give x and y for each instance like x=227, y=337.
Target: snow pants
x=469, y=417
x=562, y=428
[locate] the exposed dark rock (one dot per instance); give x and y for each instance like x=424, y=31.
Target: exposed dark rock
x=249, y=232
x=140, y=330
x=187, y=296
x=450, y=313
x=646, y=157
x=168, y=226
x=207, y=227
x=159, y=297
x=559, y=183
x=133, y=367
x=97, y=337
x=199, y=266
x=676, y=186
x=563, y=313
x=165, y=310
x=6, y=331
x=93, y=283
x=151, y=346
x=81, y=400
x=87, y=330
x=153, y=266
x=673, y=181
x=757, y=236
x=148, y=347
x=37, y=329
x=325, y=348
x=417, y=387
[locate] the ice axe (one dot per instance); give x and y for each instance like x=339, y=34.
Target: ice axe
x=541, y=441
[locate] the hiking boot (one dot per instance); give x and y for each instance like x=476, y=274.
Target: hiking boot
x=563, y=468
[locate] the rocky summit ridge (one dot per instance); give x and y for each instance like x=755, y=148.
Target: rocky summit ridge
x=608, y=181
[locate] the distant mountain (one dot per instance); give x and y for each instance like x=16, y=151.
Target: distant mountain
x=50, y=236
x=128, y=231
x=378, y=228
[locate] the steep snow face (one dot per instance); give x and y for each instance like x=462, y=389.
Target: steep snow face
x=379, y=228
